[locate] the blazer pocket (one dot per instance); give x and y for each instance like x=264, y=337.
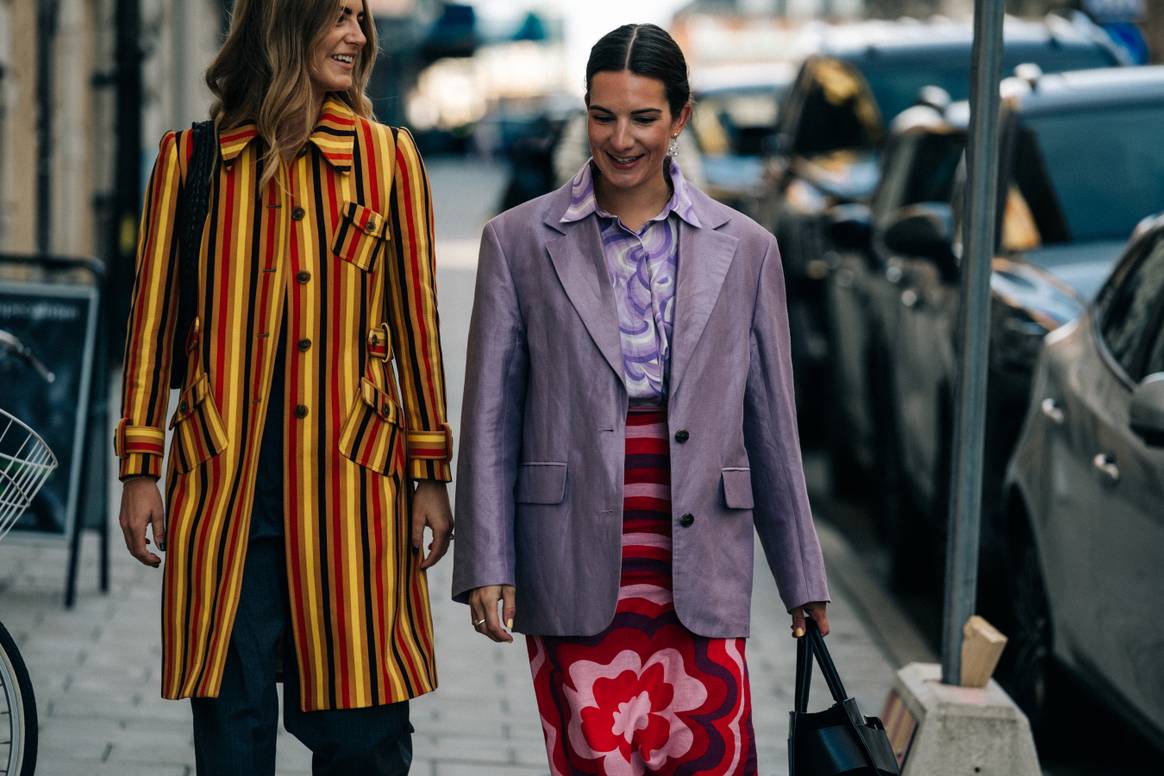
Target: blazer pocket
x=199, y=433
x=372, y=435
x=737, y=488
x=540, y=483
x=362, y=235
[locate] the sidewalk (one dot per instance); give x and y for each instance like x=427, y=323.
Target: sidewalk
x=95, y=669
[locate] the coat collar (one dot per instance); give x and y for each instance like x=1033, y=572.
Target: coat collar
x=705, y=255
x=334, y=135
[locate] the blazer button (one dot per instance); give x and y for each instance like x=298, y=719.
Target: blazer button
x=687, y=520
x=304, y=345
x=682, y=436
x=301, y=411
x=297, y=214
x=303, y=276
x=184, y=407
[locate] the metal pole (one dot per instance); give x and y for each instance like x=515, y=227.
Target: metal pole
x=974, y=324
x=127, y=165
x=46, y=28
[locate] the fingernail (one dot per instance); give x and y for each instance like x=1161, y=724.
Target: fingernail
x=509, y=623
x=798, y=632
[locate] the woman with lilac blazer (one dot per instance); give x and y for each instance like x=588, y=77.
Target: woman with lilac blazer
x=628, y=420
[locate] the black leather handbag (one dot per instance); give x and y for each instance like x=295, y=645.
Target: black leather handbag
x=838, y=740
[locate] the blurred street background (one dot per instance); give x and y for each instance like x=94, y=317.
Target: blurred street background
x=839, y=125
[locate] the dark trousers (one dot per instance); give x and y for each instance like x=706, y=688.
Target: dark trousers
x=234, y=734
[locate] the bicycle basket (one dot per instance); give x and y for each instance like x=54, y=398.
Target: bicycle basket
x=25, y=463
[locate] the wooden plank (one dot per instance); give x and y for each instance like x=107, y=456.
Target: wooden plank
x=982, y=646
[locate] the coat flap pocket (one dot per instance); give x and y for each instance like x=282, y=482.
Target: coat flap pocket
x=380, y=401
x=540, y=483
x=367, y=221
x=737, y=488
x=190, y=399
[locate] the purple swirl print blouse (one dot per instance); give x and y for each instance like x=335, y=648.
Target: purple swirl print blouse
x=643, y=269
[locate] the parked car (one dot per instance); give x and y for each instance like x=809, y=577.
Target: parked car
x=833, y=123
x=1080, y=165
x=1084, y=490
x=918, y=165
x=733, y=124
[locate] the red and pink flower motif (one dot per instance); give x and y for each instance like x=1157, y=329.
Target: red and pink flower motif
x=630, y=712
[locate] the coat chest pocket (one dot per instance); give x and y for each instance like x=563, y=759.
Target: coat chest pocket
x=362, y=237
x=199, y=433
x=737, y=488
x=372, y=436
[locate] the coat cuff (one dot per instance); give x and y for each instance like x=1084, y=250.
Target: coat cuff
x=140, y=449
x=429, y=453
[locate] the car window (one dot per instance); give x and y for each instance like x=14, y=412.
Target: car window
x=1155, y=363
x=834, y=109
x=919, y=167
x=1130, y=311
x=735, y=122
x=1063, y=160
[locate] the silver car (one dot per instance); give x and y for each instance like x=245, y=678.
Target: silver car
x=1085, y=495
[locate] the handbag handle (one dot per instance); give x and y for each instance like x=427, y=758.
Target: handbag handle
x=803, y=675
x=827, y=667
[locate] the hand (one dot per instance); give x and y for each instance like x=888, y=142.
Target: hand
x=817, y=610
x=483, y=610
x=141, y=505
x=430, y=506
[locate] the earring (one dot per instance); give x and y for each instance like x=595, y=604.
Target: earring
x=673, y=149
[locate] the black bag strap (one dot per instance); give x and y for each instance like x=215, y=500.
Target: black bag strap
x=193, y=204
x=827, y=667
x=803, y=675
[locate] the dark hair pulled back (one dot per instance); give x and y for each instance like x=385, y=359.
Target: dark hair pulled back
x=646, y=50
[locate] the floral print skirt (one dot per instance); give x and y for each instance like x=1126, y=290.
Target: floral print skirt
x=646, y=695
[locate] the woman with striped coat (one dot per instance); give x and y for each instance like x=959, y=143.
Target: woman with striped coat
x=304, y=464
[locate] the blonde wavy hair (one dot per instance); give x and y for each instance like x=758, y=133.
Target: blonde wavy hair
x=262, y=73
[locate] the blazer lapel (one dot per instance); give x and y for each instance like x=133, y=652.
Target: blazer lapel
x=578, y=259
x=704, y=258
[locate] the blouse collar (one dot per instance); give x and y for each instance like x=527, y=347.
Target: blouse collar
x=583, y=201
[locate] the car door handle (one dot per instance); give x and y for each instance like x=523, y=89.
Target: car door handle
x=1105, y=464
x=1052, y=411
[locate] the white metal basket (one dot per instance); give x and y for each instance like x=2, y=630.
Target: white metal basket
x=25, y=463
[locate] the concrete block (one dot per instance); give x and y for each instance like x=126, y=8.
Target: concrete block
x=963, y=730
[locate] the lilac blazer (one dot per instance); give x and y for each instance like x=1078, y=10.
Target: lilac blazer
x=540, y=468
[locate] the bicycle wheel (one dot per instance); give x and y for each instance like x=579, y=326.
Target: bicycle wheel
x=17, y=712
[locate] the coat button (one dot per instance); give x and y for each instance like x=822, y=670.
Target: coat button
x=385, y=410
x=687, y=520
x=297, y=214
x=371, y=226
x=682, y=436
x=304, y=345
x=184, y=407
x=302, y=276
x=302, y=152
x=301, y=411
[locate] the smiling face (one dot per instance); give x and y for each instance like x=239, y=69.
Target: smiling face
x=333, y=64
x=630, y=127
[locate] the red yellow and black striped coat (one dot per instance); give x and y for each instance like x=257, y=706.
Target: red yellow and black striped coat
x=342, y=236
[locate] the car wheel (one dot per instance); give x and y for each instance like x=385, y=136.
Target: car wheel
x=1029, y=669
